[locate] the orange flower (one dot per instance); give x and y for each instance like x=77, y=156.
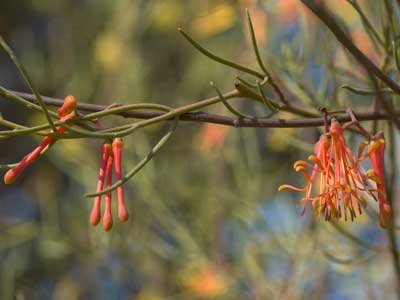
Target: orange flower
x=341, y=181
x=110, y=154
x=107, y=217
x=288, y=10
x=66, y=111
x=321, y=168
x=117, y=151
x=68, y=106
x=206, y=282
x=211, y=137
x=348, y=180
x=96, y=210
x=376, y=153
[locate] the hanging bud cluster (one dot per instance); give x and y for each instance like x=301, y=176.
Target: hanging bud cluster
x=65, y=112
x=111, y=154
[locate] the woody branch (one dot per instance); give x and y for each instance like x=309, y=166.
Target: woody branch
x=200, y=116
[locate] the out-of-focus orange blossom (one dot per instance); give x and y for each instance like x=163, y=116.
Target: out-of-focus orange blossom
x=344, y=10
x=204, y=281
x=364, y=43
x=287, y=10
x=211, y=137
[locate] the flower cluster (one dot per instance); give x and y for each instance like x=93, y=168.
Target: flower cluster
x=340, y=181
x=111, y=154
x=65, y=112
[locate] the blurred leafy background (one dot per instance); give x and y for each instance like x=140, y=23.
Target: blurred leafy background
x=206, y=220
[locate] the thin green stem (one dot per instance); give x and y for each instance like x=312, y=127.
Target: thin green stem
x=227, y=105
x=273, y=107
x=28, y=81
x=255, y=46
x=330, y=21
x=246, y=83
x=219, y=59
x=366, y=22
x=270, y=80
x=8, y=94
x=18, y=129
x=365, y=92
x=389, y=13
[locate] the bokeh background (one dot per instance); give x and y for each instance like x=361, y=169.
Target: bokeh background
x=206, y=220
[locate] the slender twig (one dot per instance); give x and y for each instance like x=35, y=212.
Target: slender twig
x=28, y=81
x=220, y=59
x=270, y=80
x=389, y=13
x=199, y=116
x=227, y=105
x=273, y=107
x=367, y=24
x=329, y=20
x=365, y=92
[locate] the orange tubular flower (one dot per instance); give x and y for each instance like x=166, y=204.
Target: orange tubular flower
x=376, y=153
x=117, y=151
x=96, y=210
x=107, y=217
x=320, y=167
x=348, y=181
x=65, y=112
x=110, y=154
x=341, y=181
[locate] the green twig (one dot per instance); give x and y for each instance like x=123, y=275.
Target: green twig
x=260, y=62
x=220, y=59
x=28, y=82
x=365, y=92
x=254, y=43
x=367, y=24
x=273, y=107
x=330, y=21
x=227, y=105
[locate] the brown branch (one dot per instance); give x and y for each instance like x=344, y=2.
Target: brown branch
x=329, y=20
x=204, y=117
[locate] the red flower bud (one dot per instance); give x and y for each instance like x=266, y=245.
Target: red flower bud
x=117, y=145
x=64, y=113
x=96, y=210
x=107, y=217
x=376, y=152
x=68, y=106
x=12, y=174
